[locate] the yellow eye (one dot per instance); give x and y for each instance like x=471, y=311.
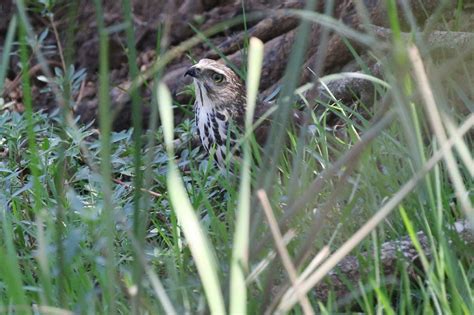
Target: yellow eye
x=217, y=77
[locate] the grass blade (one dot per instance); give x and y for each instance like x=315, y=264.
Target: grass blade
x=438, y=128
x=105, y=125
x=198, y=242
x=7, y=47
x=283, y=252
x=239, y=263
x=377, y=218
x=10, y=268
x=334, y=25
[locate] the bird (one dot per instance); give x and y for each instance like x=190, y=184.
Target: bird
x=220, y=105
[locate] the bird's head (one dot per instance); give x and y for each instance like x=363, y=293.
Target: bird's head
x=216, y=85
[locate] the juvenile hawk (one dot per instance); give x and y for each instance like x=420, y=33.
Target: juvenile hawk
x=220, y=103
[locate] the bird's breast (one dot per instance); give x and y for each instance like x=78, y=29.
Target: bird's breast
x=212, y=126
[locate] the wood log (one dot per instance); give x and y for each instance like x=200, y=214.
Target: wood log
x=267, y=29
x=352, y=269
x=392, y=253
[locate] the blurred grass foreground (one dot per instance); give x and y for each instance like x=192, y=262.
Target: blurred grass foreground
x=108, y=203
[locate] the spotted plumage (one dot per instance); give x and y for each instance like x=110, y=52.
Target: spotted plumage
x=220, y=103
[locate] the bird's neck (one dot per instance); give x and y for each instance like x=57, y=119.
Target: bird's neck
x=202, y=98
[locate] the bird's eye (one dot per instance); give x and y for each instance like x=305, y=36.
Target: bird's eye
x=217, y=77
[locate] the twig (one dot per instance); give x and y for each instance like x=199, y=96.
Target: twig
x=283, y=252
x=81, y=92
x=58, y=41
x=436, y=39
x=152, y=193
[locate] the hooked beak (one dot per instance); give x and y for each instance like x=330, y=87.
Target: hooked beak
x=193, y=72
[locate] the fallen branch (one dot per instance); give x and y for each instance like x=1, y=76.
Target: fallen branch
x=392, y=253
x=457, y=41
x=347, y=89
x=267, y=29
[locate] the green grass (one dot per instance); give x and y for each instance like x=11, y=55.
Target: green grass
x=79, y=235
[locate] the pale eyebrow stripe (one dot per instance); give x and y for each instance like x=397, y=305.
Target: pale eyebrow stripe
x=217, y=70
